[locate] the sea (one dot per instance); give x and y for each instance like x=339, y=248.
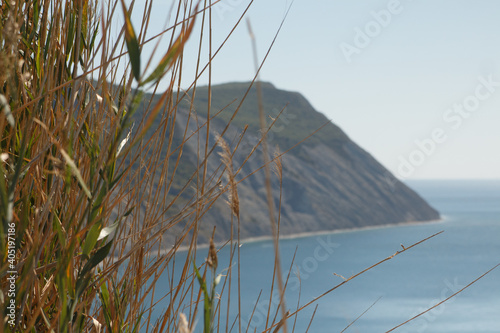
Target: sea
x=316, y=267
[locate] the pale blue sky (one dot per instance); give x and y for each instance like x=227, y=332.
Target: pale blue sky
x=415, y=60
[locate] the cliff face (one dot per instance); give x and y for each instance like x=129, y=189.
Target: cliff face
x=328, y=182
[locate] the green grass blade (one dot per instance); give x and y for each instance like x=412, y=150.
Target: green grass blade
x=207, y=309
x=137, y=323
x=132, y=44
x=106, y=306
x=96, y=259
x=76, y=172
x=91, y=239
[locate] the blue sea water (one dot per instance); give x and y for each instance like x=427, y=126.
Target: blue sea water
x=399, y=288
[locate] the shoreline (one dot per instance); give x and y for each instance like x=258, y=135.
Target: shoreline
x=312, y=233
x=250, y=240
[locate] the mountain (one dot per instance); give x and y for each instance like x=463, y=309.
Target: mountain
x=328, y=181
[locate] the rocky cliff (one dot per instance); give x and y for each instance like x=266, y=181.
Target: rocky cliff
x=328, y=182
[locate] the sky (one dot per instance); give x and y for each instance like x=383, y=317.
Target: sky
x=415, y=83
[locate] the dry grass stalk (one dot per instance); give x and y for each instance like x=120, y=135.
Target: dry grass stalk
x=212, y=256
x=183, y=324
x=278, y=165
x=227, y=160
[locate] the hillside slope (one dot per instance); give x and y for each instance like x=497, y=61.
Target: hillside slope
x=328, y=181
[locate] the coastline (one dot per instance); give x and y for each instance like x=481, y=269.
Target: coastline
x=313, y=233
x=303, y=235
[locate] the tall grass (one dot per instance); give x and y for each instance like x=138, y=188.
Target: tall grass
x=86, y=226
x=83, y=252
